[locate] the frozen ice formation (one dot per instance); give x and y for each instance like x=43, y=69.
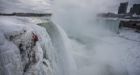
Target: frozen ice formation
x=23, y=48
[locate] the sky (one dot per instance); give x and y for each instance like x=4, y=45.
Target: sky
x=97, y=5
x=9, y=6
x=43, y=5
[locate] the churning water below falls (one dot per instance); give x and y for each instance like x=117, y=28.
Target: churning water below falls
x=97, y=49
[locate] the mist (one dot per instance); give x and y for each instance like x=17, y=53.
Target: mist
x=73, y=14
x=96, y=48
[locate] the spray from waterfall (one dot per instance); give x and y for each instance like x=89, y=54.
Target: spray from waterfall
x=94, y=41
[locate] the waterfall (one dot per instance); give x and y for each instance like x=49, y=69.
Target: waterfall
x=62, y=47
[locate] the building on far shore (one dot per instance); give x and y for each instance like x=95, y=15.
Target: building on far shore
x=123, y=8
x=135, y=9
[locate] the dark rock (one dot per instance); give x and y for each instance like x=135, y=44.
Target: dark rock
x=26, y=14
x=130, y=24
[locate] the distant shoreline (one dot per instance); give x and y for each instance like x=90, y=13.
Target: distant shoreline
x=118, y=16
x=27, y=14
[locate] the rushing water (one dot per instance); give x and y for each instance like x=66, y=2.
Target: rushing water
x=63, y=63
